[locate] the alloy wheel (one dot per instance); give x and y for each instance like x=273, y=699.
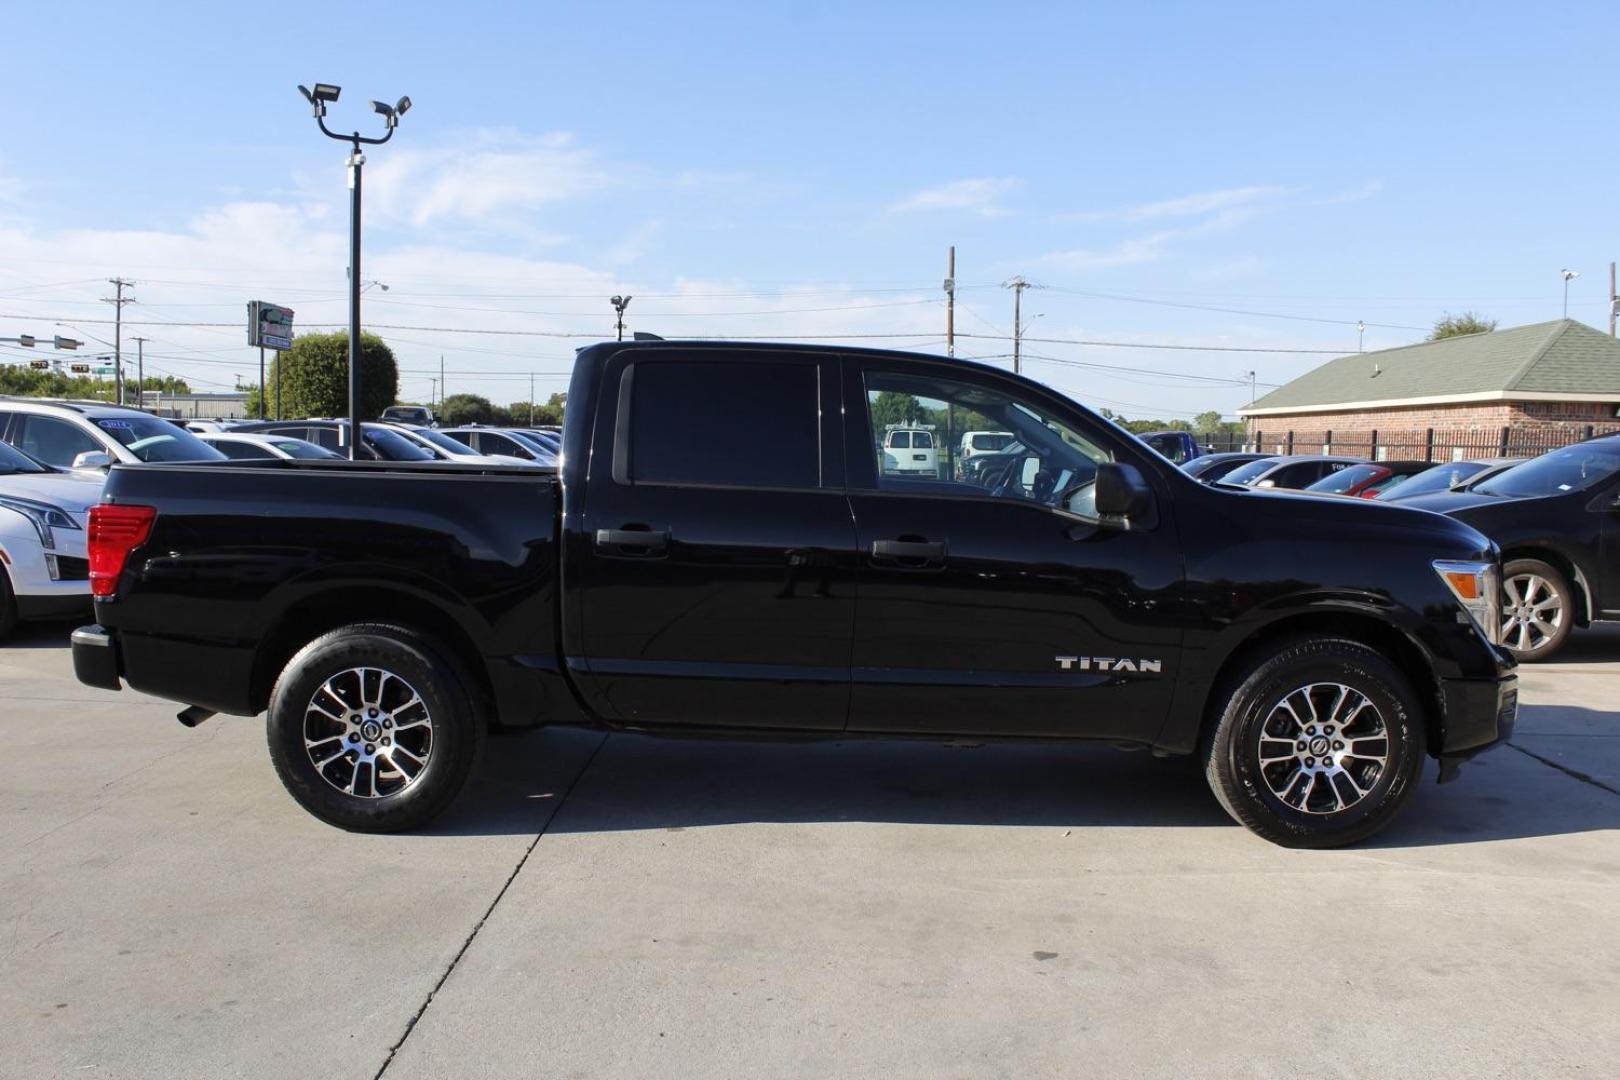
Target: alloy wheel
x=1323, y=747
x=1532, y=612
x=368, y=732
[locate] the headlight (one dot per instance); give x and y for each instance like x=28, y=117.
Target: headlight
x=1478, y=588
x=43, y=516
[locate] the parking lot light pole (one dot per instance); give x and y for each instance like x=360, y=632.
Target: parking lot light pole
x=318, y=99
x=619, y=304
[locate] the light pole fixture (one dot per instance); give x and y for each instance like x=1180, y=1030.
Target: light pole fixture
x=373, y=284
x=619, y=304
x=1568, y=275
x=318, y=98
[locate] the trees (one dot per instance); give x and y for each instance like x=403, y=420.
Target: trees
x=1449, y=325
x=314, y=377
x=26, y=382
x=459, y=409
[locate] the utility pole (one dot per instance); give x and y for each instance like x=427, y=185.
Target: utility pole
x=1614, y=300
x=140, y=371
x=531, y=399
x=118, y=303
x=950, y=304
x=441, y=381
x=1018, y=285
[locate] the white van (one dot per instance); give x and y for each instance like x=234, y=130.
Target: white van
x=910, y=451
x=985, y=442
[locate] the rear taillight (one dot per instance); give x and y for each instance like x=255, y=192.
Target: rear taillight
x=114, y=532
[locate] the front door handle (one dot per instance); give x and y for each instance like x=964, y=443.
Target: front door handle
x=644, y=539
x=911, y=554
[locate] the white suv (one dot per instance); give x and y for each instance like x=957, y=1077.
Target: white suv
x=86, y=434
x=43, y=568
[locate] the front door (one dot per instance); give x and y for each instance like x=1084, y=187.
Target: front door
x=1003, y=607
x=716, y=542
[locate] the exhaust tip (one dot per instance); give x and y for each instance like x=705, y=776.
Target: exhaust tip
x=194, y=715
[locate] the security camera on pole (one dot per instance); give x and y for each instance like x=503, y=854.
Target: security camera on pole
x=319, y=98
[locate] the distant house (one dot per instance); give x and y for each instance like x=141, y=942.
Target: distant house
x=1523, y=388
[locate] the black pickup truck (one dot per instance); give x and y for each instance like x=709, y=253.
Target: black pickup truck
x=726, y=549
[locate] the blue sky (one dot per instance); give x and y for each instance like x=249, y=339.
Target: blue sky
x=800, y=170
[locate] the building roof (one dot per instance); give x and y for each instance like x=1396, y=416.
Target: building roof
x=1562, y=360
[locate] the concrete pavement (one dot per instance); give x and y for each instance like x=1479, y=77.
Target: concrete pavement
x=834, y=909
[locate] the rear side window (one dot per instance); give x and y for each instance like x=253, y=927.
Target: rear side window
x=730, y=424
x=900, y=440
x=923, y=441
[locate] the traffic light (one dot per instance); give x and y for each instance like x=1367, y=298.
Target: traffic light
x=40, y=365
x=79, y=369
x=67, y=342
x=26, y=341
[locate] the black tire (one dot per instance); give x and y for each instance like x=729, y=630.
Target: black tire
x=444, y=732
x=1531, y=589
x=1282, y=802
x=8, y=605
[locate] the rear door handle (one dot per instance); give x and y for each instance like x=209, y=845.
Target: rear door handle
x=645, y=539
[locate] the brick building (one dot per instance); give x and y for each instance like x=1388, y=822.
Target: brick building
x=1515, y=391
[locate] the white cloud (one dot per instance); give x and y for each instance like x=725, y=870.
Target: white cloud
x=488, y=175
x=1141, y=249
x=980, y=196
x=1186, y=205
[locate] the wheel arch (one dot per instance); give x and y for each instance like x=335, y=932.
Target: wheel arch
x=310, y=617
x=1366, y=629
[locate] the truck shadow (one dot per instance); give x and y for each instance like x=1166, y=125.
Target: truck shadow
x=579, y=783
x=52, y=634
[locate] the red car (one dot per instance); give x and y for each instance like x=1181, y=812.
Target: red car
x=1366, y=480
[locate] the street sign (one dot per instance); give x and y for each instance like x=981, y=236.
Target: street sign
x=270, y=326
x=104, y=369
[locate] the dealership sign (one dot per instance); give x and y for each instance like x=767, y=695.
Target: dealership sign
x=270, y=326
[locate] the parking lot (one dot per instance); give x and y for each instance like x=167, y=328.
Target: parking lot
x=624, y=907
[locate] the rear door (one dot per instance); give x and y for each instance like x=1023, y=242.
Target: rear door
x=716, y=542
x=995, y=610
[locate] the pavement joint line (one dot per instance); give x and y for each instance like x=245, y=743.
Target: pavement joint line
x=1566, y=770
x=523, y=861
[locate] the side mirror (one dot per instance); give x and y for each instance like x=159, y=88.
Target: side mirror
x=1122, y=494
x=93, y=459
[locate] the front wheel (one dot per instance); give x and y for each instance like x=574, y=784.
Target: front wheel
x=371, y=729
x=1318, y=743
x=1538, y=607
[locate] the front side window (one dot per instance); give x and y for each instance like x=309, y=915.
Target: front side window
x=724, y=423
x=53, y=441
x=1044, y=460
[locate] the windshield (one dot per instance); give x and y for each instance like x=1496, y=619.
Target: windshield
x=1342, y=481
x=13, y=460
x=1440, y=478
x=151, y=439
x=1244, y=474
x=298, y=448
x=1571, y=469
x=990, y=443
x=444, y=442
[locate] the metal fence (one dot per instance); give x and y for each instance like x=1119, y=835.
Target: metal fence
x=1428, y=444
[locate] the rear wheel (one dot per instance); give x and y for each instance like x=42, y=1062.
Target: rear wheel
x=1538, y=609
x=1318, y=744
x=371, y=729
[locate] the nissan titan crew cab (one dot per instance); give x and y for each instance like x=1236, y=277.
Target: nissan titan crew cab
x=774, y=577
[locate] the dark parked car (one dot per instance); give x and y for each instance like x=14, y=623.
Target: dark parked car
x=508, y=442
x=1211, y=467
x=1451, y=476
x=769, y=579
x=1556, y=519
x=1367, y=479
x=1178, y=447
x=1295, y=471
